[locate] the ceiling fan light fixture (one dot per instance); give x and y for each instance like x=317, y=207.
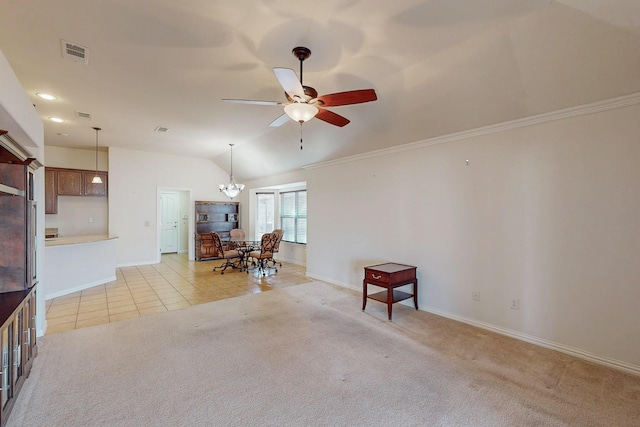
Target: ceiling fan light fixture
x=301, y=112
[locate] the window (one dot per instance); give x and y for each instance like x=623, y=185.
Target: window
x=293, y=216
x=265, y=216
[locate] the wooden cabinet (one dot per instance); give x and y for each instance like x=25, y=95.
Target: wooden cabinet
x=17, y=345
x=91, y=189
x=71, y=182
x=17, y=272
x=50, y=193
x=220, y=217
x=17, y=227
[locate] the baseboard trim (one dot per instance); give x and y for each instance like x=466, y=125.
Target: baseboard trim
x=80, y=288
x=572, y=351
x=43, y=330
x=290, y=261
x=133, y=264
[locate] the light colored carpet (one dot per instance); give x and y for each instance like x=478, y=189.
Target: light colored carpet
x=307, y=356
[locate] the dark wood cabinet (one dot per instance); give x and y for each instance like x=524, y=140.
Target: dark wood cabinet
x=91, y=189
x=18, y=272
x=220, y=217
x=71, y=182
x=17, y=227
x=50, y=193
x=17, y=345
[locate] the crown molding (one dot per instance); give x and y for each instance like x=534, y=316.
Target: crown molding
x=567, y=113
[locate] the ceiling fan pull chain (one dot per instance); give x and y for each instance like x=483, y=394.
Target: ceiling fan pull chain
x=301, y=135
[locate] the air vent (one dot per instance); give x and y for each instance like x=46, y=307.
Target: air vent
x=74, y=52
x=82, y=115
x=160, y=129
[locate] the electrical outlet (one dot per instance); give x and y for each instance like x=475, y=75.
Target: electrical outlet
x=515, y=304
x=475, y=295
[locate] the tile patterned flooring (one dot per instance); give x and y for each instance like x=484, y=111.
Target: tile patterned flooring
x=173, y=284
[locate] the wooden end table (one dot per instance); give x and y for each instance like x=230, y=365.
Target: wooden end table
x=390, y=276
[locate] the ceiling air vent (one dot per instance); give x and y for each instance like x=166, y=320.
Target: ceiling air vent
x=82, y=115
x=160, y=129
x=75, y=52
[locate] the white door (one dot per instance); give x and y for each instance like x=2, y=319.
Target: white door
x=170, y=205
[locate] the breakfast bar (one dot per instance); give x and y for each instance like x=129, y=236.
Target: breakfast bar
x=75, y=263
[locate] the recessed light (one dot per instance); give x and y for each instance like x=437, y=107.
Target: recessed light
x=56, y=119
x=46, y=96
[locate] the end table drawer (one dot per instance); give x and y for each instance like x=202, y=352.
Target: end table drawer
x=377, y=276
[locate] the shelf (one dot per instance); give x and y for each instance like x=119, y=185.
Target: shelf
x=5, y=190
x=397, y=296
x=213, y=216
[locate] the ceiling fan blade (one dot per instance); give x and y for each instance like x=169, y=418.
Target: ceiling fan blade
x=348, y=98
x=279, y=121
x=250, y=101
x=331, y=117
x=290, y=83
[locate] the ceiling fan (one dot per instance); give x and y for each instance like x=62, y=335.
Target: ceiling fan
x=303, y=102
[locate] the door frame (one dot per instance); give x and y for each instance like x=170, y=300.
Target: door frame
x=182, y=231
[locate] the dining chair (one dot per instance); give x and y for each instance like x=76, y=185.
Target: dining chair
x=260, y=258
x=237, y=234
x=276, y=247
x=232, y=257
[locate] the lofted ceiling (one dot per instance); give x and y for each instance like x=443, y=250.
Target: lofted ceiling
x=438, y=67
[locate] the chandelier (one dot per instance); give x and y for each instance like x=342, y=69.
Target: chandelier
x=232, y=189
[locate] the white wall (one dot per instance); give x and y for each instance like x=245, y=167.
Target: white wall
x=134, y=179
x=76, y=158
x=185, y=216
x=77, y=215
x=548, y=214
x=80, y=216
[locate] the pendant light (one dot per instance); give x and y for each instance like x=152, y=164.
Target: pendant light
x=96, y=179
x=232, y=189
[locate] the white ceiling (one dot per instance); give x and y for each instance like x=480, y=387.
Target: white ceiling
x=438, y=67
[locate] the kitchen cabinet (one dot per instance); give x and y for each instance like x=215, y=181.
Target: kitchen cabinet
x=71, y=182
x=50, y=194
x=91, y=189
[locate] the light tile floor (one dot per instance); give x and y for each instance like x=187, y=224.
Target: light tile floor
x=173, y=284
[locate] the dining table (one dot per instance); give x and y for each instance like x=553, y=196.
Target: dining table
x=244, y=248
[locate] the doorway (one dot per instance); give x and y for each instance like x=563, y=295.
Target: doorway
x=173, y=220
x=169, y=215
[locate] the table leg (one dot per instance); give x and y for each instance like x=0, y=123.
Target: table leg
x=415, y=293
x=364, y=294
x=389, y=301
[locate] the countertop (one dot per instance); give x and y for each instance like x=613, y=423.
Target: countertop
x=73, y=240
